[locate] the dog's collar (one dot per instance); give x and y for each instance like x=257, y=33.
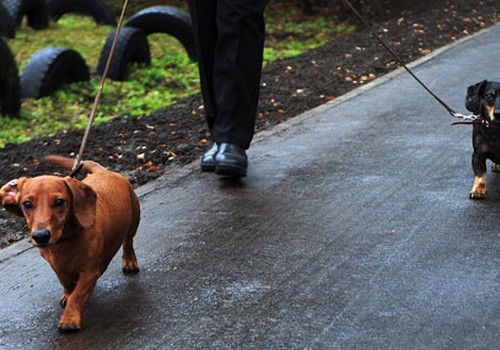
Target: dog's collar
x=482, y=121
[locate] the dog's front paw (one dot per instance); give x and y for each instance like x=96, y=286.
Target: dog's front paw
x=475, y=195
x=68, y=328
x=479, y=189
x=69, y=325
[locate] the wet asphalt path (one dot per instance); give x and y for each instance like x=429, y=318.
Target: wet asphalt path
x=353, y=230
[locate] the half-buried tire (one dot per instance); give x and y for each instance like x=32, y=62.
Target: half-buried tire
x=36, y=11
x=9, y=82
x=7, y=25
x=97, y=9
x=132, y=46
x=168, y=20
x=51, y=68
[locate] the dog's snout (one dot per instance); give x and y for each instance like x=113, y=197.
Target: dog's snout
x=496, y=110
x=42, y=236
x=496, y=105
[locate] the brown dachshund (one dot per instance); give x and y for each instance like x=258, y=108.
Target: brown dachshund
x=78, y=226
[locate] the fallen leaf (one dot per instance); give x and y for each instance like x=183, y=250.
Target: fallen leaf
x=170, y=154
x=153, y=169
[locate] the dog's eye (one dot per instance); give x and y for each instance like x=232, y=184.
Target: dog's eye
x=28, y=205
x=59, y=203
x=490, y=97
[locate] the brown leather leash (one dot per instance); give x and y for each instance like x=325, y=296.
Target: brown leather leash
x=468, y=119
x=78, y=159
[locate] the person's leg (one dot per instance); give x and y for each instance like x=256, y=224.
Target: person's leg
x=203, y=16
x=237, y=69
x=230, y=63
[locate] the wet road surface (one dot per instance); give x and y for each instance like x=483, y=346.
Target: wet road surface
x=353, y=230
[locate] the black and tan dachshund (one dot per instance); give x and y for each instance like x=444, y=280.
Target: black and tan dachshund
x=483, y=99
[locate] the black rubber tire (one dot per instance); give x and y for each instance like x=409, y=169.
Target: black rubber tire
x=132, y=46
x=36, y=11
x=10, y=102
x=7, y=25
x=49, y=69
x=97, y=9
x=169, y=20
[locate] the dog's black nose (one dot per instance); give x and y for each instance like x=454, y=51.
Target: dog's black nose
x=42, y=236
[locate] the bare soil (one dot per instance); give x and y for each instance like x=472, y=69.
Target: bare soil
x=144, y=147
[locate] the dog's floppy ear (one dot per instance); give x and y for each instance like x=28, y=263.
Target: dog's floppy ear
x=10, y=195
x=84, y=200
x=473, y=100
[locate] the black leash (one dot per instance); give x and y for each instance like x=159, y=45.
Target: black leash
x=469, y=117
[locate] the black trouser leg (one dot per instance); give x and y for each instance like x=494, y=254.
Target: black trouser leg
x=203, y=14
x=230, y=39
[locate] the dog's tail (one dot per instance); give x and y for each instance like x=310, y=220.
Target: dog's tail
x=67, y=163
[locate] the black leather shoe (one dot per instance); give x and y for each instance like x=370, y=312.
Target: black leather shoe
x=208, y=158
x=231, y=160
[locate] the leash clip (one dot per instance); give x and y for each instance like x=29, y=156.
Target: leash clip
x=471, y=117
x=76, y=170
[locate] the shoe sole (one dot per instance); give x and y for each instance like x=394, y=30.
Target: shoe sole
x=208, y=167
x=230, y=171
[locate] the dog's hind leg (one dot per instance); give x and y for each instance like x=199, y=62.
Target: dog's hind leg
x=129, y=260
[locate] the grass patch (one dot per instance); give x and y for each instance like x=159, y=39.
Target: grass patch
x=171, y=75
